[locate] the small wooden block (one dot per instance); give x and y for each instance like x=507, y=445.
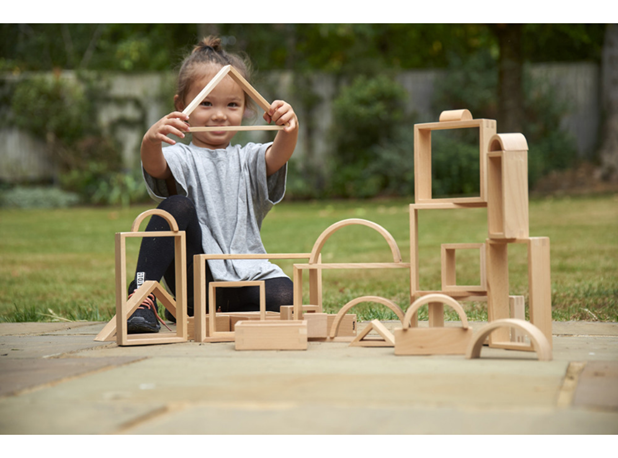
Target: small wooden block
x=347, y=326
x=271, y=335
x=385, y=337
x=432, y=341
x=286, y=312
x=234, y=318
x=517, y=306
x=223, y=324
x=317, y=325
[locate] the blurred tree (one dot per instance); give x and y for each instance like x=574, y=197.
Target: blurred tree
x=609, y=143
x=510, y=77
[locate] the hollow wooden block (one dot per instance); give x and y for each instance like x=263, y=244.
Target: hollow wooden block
x=507, y=181
x=271, y=335
x=223, y=324
x=422, y=154
x=539, y=287
x=432, y=341
x=449, y=276
x=125, y=308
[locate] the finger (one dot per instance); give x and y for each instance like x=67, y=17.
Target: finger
x=165, y=139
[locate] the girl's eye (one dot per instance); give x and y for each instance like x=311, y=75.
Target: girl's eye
x=206, y=103
x=233, y=104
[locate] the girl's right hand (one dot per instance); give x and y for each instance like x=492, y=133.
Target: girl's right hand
x=174, y=123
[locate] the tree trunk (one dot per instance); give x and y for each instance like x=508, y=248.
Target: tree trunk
x=510, y=92
x=608, y=154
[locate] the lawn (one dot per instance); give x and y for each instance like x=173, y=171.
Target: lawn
x=59, y=264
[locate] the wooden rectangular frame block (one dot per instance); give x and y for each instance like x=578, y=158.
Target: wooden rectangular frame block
x=199, y=277
x=271, y=335
x=422, y=157
x=507, y=202
x=125, y=308
x=539, y=288
x=449, y=275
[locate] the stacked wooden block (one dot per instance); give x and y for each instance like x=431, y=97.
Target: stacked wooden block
x=504, y=192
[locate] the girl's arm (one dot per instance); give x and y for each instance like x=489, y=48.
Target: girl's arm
x=151, y=151
x=281, y=113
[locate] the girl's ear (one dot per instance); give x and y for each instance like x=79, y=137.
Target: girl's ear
x=178, y=103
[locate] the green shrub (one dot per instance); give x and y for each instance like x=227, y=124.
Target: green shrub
x=366, y=113
x=472, y=83
x=37, y=197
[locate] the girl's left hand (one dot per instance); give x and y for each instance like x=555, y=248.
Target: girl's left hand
x=282, y=114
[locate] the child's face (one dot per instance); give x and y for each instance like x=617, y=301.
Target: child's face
x=224, y=106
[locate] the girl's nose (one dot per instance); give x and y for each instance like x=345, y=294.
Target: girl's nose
x=219, y=114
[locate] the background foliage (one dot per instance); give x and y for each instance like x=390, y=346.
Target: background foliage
x=371, y=147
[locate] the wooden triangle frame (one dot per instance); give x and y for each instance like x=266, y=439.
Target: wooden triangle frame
x=387, y=340
x=108, y=333
x=244, y=84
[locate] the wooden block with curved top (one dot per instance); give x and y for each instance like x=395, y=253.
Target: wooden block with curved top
x=537, y=338
x=125, y=307
x=432, y=341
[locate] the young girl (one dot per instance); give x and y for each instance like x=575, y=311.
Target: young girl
x=218, y=193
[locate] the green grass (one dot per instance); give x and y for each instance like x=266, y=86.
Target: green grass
x=59, y=264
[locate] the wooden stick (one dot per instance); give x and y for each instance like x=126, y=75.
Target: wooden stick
x=207, y=89
x=235, y=128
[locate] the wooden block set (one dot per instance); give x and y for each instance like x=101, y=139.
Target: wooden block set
x=503, y=192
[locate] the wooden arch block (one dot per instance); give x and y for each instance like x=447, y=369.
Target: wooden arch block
x=432, y=341
x=539, y=342
x=507, y=187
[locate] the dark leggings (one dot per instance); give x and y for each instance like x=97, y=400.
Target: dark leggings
x=156, y=261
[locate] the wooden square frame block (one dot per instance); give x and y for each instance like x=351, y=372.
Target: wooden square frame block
x=229, y=336
x=124, y=307
x=449, y=276
x=454, y=119
x=199, y=297
x=271, y=335
x=539, y=289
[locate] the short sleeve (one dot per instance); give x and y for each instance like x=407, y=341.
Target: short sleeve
x=157, y=188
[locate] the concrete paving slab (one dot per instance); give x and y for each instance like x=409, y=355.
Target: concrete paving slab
x=194, y=388
x=17, y=329
x=328, y=419
x=597, y=386
x=29, y=346
x=20, y=374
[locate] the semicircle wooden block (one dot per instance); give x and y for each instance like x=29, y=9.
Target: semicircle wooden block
x=455, y=115
x=537, y=338
x=390, y=304
x=319, y=244
x=155, y=211
x=442, y=298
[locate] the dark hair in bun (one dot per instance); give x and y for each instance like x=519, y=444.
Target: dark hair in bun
x=210, y=51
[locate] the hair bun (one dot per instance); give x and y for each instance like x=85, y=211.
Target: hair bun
x=210, y=42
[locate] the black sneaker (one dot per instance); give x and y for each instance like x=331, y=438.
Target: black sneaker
x=145, y=319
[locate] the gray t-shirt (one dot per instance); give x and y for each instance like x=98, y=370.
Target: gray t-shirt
x=232, y=195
